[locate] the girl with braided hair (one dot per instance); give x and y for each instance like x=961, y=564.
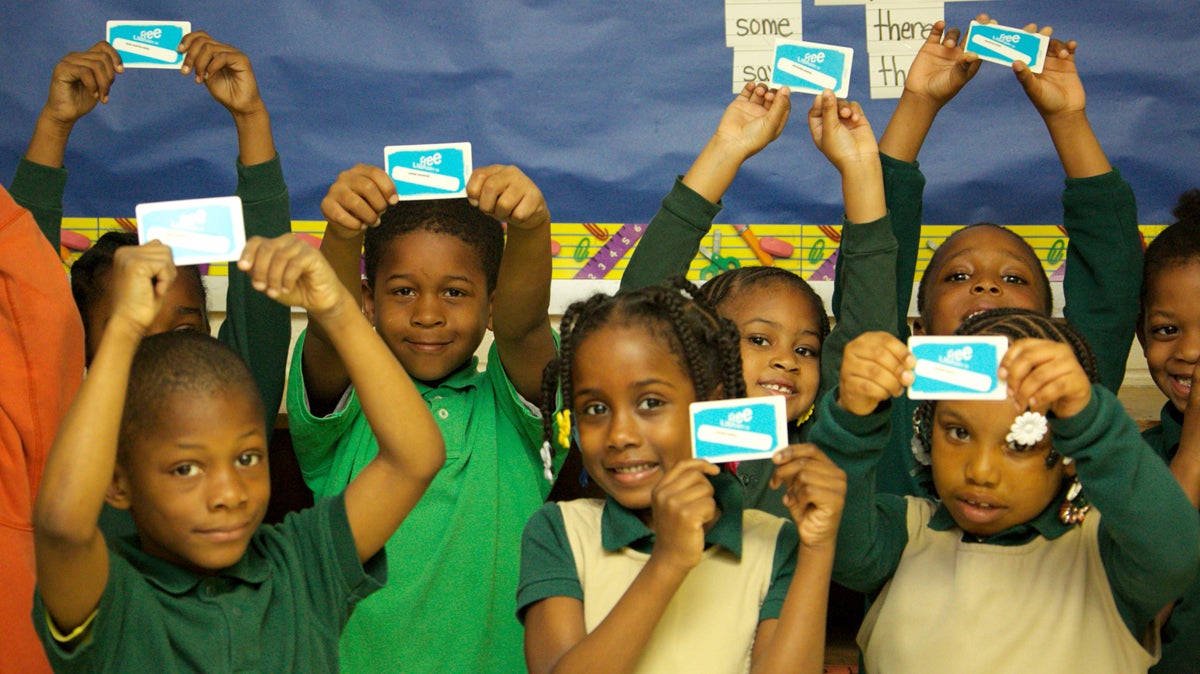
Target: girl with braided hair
x=1011, y=569
x=668, y=573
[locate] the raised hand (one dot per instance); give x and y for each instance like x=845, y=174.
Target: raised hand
x=224, y=70
x=816, y=492
x=876, y=367
x=508, y=195
x=141, y=276
x=356, y=200
x=294, y=273
x=1044, y=375
x=682, y=504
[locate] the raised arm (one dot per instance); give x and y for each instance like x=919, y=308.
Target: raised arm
x=555, y=637
x=521, y=302
x=816, y=493
x=72, y=559
x=79, y=81
x=754, y=119
x=354, y=202
x=411, y=450
x=1104, y=249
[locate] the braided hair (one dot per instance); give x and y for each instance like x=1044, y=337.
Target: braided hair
x=705, y=344
x=726, y=286
x=1014, y=324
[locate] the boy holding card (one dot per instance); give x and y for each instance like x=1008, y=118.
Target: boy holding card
x=42, y=342
x=439, y=273
x=1100, y=216
x=171, y=428
x=79, y=82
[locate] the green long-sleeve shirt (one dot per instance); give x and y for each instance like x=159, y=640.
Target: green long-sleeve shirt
x=1181, y=634
x=256, y=326
x=1101, y=286
x=863, y=279
x=1148, y=535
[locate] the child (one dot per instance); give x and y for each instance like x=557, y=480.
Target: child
x=996, y=576
x=171, y=428
x=439, y=274
x=781, y=319
x=81, y=80
x=1169, y=331
x=987, y=266
x=42, y=342
x=669, y=573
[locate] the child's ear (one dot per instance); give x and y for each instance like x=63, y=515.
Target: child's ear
x=918, y=328
x=117, y=494
x=368, y=302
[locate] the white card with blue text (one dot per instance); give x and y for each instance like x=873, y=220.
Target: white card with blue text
x=148, y=44
x=437, y=171
x=741, y=429
x=958, y=368
x=1004, y=45
x=811, y=67
x=197, y=231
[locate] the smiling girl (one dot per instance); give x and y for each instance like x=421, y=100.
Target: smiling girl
x=669, y=573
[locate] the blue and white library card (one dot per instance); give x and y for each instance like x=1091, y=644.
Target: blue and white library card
x=811, y=67
x=741, y=429
x=196, y=230
x=1004, y=45
x=429, y=171
x=148, y=44
x=958, y=368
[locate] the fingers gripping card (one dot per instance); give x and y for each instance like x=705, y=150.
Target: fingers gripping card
x=429, y=171
x=196, y=230
x=1004, y=45
x=741, y=429
x=148, y=44
x=958, y=368
x=811, y=67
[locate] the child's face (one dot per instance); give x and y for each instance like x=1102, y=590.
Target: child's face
x=198, y=485
x=983, y=268
x=183, y=309
x=631, y=397
x=986, y=486
x=1170, y=330
x=780, y=343
x=430, y=303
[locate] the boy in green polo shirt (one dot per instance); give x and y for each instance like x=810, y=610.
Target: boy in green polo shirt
x=171, y=427
x=438, y=275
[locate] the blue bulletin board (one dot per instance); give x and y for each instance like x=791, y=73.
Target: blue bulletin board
x=603, y=103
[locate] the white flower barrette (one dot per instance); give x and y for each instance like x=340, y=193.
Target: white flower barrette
x=1027, y=430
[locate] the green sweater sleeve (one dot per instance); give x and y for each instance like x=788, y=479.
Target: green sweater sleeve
x=1149, y=531
x=672, y=238
x=256, y=326
x=1104, y=268
x=40, y=189
x=874, y=529
x=903, y=189
x=864, y=277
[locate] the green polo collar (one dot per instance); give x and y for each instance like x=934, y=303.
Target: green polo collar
x=621, y=527
x=465, y=377
x=176, y=580
x=1046, y=524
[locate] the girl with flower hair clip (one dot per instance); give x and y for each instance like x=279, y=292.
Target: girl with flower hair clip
x=1008, y=571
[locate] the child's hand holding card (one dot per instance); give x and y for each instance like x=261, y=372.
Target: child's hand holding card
x=741, y=429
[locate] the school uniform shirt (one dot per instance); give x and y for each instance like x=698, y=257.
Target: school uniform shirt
x=862, y=297
x=1101, y=284
x=1145, y=542
x=1181, y=634
x=279, y=609
x=592, y=550
x=41, y=367
x=453, y=563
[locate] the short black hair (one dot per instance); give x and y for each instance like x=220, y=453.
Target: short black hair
x=705, y=344
x=727, y=285
x=89, y=273
x=1175, y=246
x=180, y=361
x=456, y=217
x=936, y=262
